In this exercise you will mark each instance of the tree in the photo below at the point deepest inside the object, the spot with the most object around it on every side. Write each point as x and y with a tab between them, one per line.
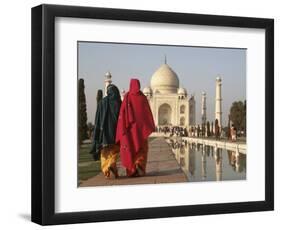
238	115
228	128
99	96
203	129
244	123
212	129
83	128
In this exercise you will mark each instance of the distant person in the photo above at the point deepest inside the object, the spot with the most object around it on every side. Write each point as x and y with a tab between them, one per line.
185	133
223	134
233	133
104	147
135	124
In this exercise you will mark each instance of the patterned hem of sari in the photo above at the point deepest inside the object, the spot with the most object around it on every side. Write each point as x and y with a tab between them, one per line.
109	156
140	161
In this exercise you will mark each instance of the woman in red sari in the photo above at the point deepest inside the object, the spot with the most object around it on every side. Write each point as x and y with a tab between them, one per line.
135	124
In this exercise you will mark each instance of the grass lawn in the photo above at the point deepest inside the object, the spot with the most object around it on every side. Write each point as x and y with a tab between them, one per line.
87	167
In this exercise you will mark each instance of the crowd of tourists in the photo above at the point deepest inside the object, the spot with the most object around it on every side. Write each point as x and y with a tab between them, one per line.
198	131
172	130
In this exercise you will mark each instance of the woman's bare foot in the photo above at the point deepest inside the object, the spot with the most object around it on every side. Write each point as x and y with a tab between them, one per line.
139	171
114	171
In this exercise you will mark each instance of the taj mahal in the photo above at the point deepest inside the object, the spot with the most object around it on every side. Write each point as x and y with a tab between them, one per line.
171	105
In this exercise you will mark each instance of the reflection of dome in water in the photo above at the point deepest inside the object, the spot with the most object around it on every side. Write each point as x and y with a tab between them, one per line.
165	80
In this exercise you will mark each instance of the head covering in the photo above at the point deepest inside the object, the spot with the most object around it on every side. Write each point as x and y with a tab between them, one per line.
135	123
106	120
99	96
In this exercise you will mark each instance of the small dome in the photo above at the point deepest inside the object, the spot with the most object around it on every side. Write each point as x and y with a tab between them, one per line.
155	91
191	98
182	91
147	90
165	80
108	75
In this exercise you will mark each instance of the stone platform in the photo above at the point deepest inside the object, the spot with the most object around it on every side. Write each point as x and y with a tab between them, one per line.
162	167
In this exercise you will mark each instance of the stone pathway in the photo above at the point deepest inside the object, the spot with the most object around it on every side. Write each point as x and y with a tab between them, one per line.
162	167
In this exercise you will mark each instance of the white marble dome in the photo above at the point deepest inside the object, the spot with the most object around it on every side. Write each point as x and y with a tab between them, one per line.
182	91
165	80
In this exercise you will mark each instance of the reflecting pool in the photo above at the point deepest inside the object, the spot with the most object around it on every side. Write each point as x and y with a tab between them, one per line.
206	163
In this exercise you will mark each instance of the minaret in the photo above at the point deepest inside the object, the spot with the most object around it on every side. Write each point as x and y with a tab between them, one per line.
218	114
122	94
107	82
192	115
203	108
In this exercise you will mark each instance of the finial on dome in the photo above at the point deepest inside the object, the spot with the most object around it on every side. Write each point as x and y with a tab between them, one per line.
165	60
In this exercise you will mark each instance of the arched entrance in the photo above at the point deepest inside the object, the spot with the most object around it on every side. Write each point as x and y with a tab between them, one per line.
182	121
164	114
182	109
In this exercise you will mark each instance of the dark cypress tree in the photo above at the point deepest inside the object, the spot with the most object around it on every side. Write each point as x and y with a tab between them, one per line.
203	129
99	96
212	129
83	128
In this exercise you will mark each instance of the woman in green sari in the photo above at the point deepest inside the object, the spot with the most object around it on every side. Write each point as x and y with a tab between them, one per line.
104	147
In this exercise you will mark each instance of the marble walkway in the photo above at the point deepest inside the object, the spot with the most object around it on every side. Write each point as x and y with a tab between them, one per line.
162	167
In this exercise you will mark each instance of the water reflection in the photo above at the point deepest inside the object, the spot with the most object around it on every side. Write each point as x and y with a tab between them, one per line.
218	162
206	163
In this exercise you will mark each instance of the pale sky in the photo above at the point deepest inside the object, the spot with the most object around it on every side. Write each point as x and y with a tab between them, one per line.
196	67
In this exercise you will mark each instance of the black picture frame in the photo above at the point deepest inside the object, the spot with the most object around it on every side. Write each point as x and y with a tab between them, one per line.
43	114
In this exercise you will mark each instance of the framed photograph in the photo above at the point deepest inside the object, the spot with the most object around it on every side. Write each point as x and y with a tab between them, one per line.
144	114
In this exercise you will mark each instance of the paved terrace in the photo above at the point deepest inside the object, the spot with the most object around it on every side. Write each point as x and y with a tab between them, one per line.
162	167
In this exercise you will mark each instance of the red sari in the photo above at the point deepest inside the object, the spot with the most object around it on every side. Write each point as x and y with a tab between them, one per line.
135	124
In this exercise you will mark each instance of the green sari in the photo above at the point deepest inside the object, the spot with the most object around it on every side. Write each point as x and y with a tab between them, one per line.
106	121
